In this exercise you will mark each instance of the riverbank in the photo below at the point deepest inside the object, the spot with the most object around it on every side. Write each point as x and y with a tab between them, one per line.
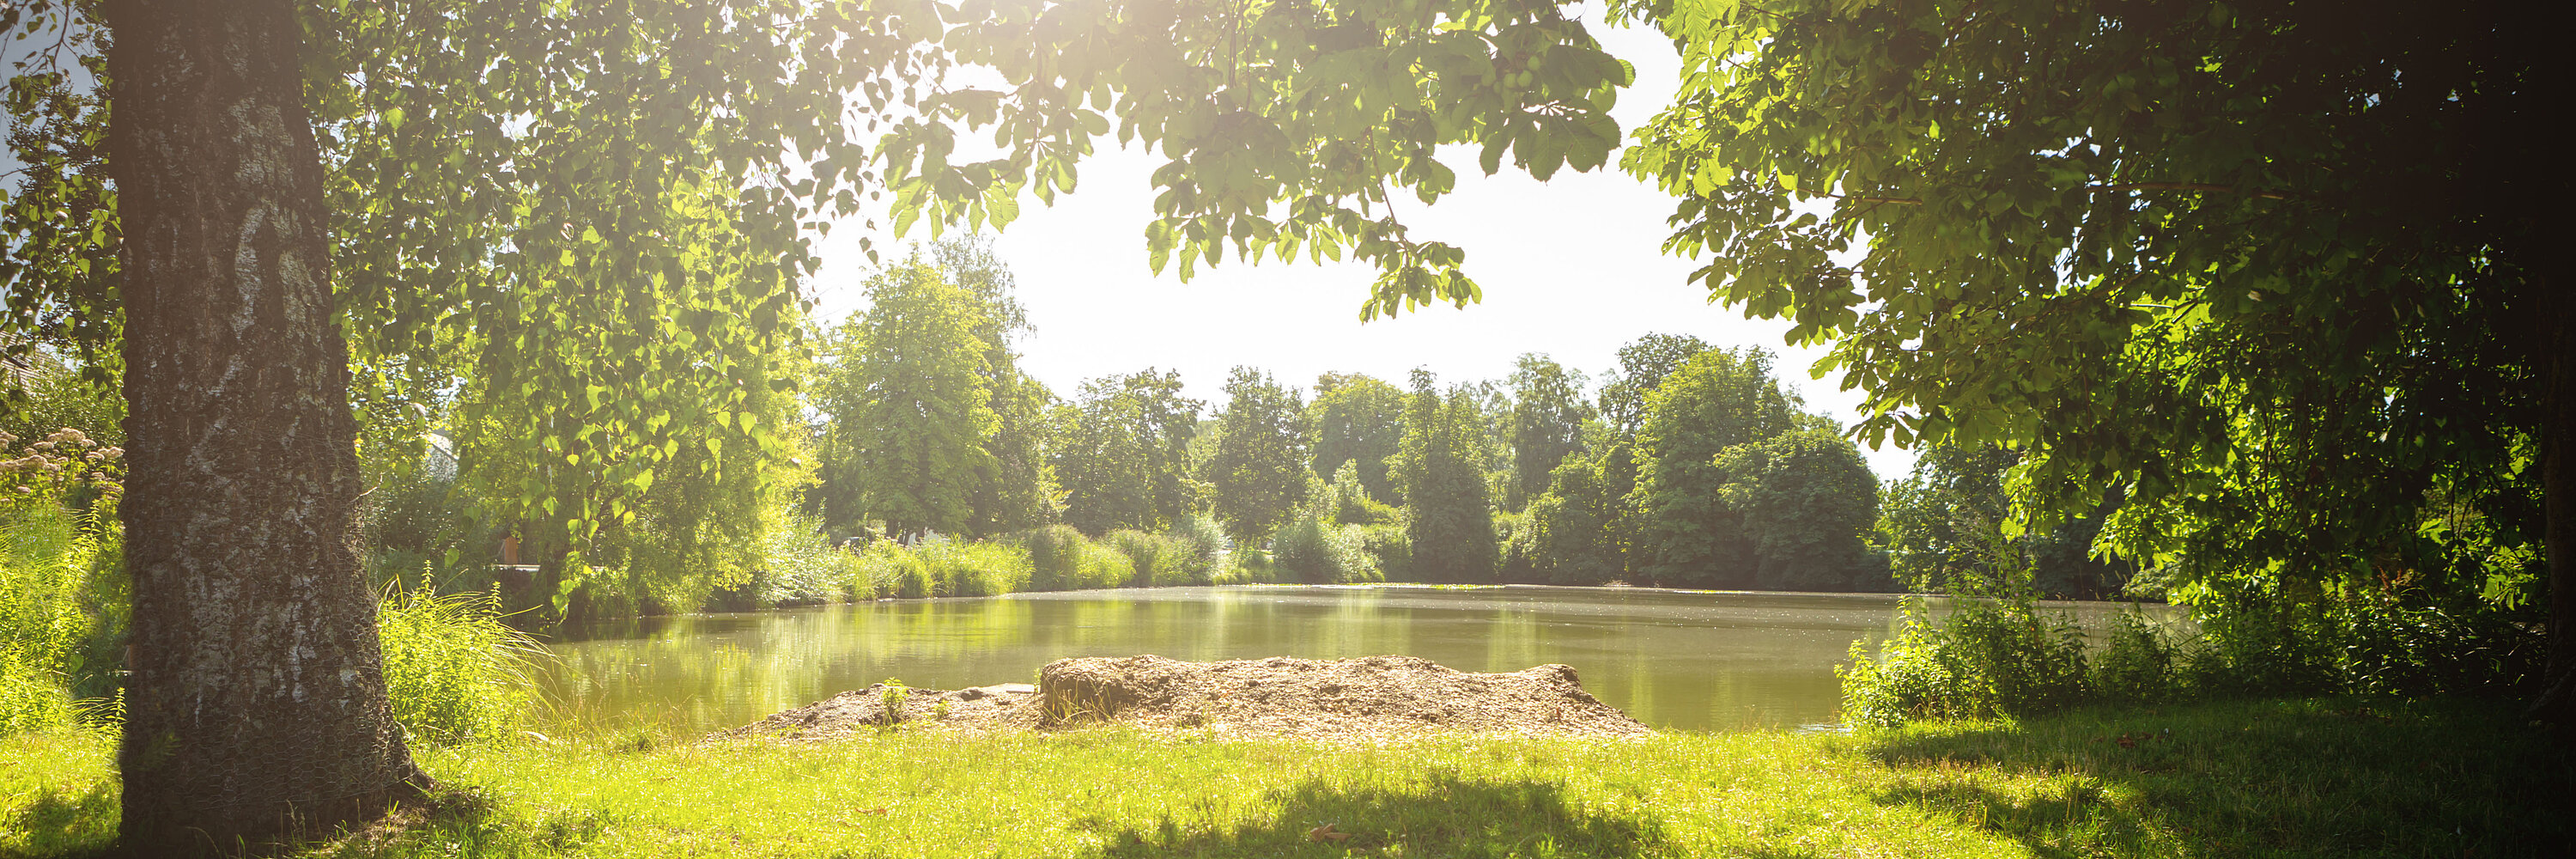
2325	777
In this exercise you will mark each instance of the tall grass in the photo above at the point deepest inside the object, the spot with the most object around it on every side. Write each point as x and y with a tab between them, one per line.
454	671
62	612
962	569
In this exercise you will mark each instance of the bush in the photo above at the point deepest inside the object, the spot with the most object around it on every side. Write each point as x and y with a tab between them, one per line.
1991	658
1161	560
1315	551
454	672
1055	557
1391	548
802	569
962	569
2135	664
1247	566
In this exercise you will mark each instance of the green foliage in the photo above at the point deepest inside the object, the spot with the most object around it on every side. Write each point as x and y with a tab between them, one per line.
1548	413
63	613
2238	263
910	401
453	670
1313	550
1350	500
1952	523
1804	500
2137	663
1062	559
1448	515
959	568
1161	560
895	571
1357	421
1581	531
59	399
802	569
1987	658
1123	454
1643	364
1205	544
1258	473
1391	546
1716	400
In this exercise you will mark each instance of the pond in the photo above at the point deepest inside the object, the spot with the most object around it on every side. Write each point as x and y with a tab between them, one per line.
1674	659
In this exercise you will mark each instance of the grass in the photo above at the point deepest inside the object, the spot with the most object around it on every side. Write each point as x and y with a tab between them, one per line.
2331	777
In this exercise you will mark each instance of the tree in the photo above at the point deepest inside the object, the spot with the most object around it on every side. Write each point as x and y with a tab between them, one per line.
1258	475
489	160
1718	399
1016	490
250	609
1804	501
913	401
1548	412
2242	263
1643	364
1952	526
1359	419
1124	456
1448	515
1577	533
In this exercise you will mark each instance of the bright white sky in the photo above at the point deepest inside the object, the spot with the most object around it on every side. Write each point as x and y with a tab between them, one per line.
1572	268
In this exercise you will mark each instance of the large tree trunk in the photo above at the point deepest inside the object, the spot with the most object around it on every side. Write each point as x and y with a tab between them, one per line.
256	707
2557	703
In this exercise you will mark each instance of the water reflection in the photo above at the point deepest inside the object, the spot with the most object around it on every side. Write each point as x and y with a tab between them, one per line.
1682	660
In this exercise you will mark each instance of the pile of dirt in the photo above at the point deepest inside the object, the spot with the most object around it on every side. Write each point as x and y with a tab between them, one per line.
1006	706
1375	696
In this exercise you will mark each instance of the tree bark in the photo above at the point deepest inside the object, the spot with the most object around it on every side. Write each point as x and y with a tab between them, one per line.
2557	702
256	709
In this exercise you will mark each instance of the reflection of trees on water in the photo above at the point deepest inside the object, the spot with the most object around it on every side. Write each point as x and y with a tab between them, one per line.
1689	660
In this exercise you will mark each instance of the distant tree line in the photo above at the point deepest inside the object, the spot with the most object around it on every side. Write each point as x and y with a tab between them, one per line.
1690	465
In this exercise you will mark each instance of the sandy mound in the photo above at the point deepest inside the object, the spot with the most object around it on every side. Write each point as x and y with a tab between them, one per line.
1009	705
1279	696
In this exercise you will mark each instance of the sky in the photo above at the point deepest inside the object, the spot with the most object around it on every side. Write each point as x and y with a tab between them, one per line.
1572	268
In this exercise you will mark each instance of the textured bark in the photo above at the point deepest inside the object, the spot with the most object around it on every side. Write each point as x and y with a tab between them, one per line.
256	707
2557	702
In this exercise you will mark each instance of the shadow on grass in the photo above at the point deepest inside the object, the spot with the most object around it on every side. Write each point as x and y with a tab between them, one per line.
62	823
1447	816
2275	777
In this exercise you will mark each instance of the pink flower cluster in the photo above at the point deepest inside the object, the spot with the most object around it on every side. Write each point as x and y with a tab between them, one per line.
63	459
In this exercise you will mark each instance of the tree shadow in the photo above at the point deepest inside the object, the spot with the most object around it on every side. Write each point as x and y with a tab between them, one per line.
61	824
1444	816
2290	777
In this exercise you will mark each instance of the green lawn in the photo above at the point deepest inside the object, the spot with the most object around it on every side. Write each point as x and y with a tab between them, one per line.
2325	777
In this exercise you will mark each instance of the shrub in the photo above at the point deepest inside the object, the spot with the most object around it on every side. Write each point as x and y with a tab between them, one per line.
1315	551
891	570
2135	664
1055	557
1247	566
1391	548
803	569
962	569
454	671
1991	658
1204	546
1161	560
1102	567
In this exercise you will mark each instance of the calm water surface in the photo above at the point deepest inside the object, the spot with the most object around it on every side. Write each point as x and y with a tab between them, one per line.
1680	660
